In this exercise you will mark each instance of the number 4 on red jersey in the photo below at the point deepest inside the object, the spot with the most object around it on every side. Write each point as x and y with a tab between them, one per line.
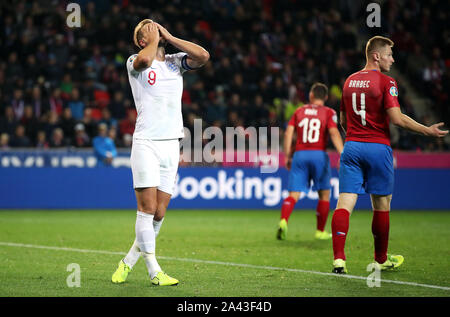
366	96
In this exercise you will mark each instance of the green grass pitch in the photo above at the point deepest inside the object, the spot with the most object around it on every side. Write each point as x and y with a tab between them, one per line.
218	253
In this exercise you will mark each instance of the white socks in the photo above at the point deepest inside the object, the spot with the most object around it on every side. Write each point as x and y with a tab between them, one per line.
133	255
157	226
152	265
147	230
145	234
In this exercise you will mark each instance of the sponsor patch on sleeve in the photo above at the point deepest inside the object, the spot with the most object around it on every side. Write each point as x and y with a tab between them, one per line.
335	118
393	91
131	59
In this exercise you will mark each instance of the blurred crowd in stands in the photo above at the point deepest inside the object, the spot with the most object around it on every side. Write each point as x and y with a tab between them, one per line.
57	84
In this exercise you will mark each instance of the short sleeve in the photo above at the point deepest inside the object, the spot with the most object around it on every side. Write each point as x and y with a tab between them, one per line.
130	67
390	94
179	59
332	119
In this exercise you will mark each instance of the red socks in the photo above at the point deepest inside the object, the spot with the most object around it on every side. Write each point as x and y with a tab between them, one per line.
287	207
339	227
322	210
380	231
323	207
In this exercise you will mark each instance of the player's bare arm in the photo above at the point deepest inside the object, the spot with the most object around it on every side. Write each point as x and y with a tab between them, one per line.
403	121
150	39
287	145
336	139
197	55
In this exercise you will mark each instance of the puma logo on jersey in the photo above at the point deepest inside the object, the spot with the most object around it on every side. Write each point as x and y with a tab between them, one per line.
311	112
359	84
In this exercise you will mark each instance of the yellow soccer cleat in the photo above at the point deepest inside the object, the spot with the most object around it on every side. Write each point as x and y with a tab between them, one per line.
282	230
392	262
339	267
121	274
162	279
322	235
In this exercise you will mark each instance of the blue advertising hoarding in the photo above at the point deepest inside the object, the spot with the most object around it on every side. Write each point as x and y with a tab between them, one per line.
66	181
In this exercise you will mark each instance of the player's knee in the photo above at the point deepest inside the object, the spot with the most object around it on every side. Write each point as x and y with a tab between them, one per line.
381	203
160	212
324	195
295	195
149	207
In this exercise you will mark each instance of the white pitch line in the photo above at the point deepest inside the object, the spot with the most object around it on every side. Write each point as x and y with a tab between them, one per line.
251	266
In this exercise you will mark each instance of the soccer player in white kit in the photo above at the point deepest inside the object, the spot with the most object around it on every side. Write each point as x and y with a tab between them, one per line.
157	84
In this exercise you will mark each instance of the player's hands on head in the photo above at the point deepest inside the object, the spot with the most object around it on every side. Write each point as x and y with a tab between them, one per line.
150	32
436	132
163	32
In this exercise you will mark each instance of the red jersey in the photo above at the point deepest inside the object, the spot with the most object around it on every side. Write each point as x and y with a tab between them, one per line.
366	96
312	123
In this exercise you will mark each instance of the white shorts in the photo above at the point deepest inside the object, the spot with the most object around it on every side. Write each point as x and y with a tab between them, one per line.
155	163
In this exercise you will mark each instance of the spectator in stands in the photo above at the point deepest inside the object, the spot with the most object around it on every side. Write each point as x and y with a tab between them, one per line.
33	69
432	73
90	125
37	102
57	139
4	141
41	140
56	103
107	119
13	68
60	50
76	105
116	106
68	124
50	122
8	122
20	139
30	122
81	139
104	147
66	86
112	134
18	103
216	111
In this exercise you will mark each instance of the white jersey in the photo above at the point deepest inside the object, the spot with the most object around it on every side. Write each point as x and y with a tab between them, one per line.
157	94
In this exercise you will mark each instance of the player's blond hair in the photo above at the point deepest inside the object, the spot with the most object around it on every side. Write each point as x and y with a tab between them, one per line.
137	35
377	42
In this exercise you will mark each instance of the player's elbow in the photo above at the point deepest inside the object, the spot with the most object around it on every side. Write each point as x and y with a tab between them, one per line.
396	117
397	121
143	62
204	57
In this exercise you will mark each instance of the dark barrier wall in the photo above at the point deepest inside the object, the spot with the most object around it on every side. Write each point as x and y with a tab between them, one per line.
211	188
